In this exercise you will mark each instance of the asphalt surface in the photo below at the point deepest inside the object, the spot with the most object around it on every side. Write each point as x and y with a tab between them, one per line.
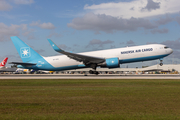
79	76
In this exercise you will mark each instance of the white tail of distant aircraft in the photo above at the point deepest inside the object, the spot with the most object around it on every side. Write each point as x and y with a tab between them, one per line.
111	58
3	63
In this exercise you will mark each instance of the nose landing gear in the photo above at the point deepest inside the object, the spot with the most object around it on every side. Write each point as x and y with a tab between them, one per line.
161	62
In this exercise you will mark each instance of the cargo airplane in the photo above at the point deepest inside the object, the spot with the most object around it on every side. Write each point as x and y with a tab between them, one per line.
110	58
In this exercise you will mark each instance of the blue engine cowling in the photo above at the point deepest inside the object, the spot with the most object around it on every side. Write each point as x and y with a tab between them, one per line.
112	62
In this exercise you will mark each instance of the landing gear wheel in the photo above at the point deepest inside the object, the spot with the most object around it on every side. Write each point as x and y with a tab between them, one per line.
161	62
93	72
96	72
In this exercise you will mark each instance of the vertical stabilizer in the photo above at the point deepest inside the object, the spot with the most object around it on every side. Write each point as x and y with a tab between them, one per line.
26	53
3	63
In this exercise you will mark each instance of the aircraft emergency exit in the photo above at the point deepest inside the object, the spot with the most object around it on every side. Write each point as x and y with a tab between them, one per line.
110	58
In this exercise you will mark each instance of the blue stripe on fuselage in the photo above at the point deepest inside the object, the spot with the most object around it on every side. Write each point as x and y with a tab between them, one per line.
56	68
142	59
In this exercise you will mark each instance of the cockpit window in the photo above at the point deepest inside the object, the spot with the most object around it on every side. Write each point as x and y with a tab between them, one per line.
166	47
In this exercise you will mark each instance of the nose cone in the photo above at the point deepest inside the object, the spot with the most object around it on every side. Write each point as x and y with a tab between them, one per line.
170	51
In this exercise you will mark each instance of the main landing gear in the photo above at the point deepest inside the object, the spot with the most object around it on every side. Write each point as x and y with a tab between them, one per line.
93	66
161	62
93	72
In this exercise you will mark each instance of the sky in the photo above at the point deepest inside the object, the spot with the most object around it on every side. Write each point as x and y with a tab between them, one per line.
89	25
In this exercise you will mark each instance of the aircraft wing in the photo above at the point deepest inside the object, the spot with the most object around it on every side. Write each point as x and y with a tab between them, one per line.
79	57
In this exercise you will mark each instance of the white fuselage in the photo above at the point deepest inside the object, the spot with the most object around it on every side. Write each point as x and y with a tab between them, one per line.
125	55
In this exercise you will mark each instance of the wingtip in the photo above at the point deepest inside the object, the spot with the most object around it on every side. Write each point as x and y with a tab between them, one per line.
13	36
49	39
54	46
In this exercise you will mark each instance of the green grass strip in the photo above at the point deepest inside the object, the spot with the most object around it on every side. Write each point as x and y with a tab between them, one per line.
90	99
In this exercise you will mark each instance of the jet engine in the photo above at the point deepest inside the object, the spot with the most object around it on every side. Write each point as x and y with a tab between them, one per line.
111	63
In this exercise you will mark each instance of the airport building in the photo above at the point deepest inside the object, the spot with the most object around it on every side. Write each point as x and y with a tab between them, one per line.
155	69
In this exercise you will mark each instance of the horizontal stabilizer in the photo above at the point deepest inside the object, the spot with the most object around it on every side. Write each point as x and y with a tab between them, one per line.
22	63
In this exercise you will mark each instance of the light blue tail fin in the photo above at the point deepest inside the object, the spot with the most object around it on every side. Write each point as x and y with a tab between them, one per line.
26	53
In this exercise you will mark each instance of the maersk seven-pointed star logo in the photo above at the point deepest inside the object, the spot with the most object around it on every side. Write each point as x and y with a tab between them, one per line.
25	52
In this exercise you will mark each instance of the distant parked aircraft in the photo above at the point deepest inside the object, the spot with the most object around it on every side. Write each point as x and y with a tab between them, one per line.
110	58
3	63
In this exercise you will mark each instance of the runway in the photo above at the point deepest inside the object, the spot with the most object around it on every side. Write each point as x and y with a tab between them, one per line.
79	76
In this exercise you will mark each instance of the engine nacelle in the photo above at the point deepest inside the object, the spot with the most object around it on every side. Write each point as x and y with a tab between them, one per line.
111	63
